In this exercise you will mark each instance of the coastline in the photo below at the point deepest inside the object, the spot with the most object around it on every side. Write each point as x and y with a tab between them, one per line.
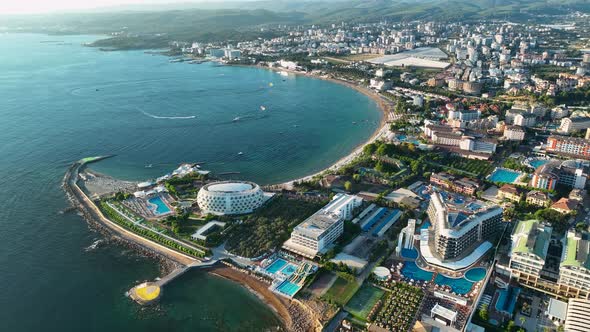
258	289
383	105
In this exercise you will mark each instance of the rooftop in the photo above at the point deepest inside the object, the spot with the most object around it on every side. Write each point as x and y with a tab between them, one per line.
530	237
230	186
577	250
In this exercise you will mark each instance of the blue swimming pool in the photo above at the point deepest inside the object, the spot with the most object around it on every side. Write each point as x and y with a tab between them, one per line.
538	163
410	253
460	286
276	266
476	274
412	271
504	176
158	207
289	270
288	288
507	299
409	139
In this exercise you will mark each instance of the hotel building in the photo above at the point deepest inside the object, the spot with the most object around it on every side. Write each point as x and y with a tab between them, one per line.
565	276
571	146
571	173
452	183
314	235
530	243
458	236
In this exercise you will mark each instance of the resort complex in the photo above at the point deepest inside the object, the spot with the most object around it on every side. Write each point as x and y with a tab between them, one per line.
466	210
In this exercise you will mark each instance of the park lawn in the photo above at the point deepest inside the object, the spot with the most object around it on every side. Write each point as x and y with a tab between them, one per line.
363	301
341	291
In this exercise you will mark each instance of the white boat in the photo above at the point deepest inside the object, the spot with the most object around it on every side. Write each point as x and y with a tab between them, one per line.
240	153
262	108
284	73
237	118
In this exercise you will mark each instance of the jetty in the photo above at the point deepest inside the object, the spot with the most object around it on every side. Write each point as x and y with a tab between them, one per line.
150	292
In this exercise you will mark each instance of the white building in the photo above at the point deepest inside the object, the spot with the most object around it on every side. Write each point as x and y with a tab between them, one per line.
573	124
314	235
525	120
230	197
576	319
514	133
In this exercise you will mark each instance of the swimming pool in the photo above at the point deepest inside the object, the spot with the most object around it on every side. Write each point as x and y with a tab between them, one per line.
410	253
504	176
507	299
289	270
160	207
408	139
412	271
288	288
460	286
476	274
538	163
276	266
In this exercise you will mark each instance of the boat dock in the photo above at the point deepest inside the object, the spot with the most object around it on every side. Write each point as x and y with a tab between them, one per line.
150	292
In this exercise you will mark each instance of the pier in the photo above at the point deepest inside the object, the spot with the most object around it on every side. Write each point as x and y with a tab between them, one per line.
148	293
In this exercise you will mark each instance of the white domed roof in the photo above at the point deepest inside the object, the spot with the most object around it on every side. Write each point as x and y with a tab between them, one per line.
230	187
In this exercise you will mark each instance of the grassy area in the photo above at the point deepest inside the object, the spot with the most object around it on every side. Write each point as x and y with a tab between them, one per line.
363	301
341	291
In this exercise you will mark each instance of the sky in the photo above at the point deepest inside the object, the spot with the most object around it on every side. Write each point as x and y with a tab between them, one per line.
48	6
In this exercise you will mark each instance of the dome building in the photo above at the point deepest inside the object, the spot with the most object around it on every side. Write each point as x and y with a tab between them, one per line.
230	197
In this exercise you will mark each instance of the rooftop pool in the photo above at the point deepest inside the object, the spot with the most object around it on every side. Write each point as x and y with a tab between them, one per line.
476	274
158	206
504	176
507	299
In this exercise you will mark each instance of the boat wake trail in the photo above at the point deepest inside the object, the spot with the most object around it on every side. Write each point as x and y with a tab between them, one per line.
168	117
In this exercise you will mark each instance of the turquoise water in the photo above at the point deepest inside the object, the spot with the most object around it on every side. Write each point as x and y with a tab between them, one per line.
276	266
412	271
288	288
161	207
538	163
289	270
410	253
459	286
507	299
59	103
476	274
504	176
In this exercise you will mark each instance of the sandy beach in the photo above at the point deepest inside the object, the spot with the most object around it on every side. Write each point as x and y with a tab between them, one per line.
258	288
384	105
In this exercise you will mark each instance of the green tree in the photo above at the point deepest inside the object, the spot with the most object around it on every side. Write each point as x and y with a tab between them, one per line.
347	185
483	313
510	326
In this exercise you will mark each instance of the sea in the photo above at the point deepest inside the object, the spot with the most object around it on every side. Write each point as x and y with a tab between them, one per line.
61	101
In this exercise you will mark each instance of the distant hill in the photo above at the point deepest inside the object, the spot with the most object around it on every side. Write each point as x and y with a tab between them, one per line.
239	20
